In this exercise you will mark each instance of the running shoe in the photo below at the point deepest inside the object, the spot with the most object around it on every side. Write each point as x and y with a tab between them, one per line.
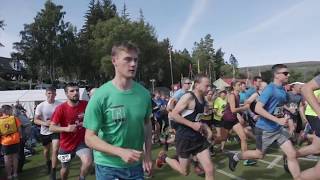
161	160
232	163
249	162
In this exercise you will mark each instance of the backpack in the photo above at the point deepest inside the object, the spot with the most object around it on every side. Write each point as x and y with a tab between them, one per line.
8	125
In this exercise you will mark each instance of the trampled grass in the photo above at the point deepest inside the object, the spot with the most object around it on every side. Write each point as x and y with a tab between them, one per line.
265	169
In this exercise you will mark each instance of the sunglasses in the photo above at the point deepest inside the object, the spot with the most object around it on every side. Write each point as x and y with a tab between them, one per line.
284	73
188	83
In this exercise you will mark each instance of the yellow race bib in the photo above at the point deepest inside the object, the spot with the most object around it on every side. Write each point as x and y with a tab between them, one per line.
8	125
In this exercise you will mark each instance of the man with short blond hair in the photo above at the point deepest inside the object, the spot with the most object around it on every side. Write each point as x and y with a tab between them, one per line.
117	121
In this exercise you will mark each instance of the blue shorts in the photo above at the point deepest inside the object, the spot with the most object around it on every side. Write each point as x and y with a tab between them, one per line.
112	173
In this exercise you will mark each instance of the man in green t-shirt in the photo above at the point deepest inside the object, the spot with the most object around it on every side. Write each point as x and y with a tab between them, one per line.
117	121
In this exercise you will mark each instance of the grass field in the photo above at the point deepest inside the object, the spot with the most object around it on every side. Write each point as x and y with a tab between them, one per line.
271	167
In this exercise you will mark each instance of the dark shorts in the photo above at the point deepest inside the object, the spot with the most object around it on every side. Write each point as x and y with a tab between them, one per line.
173	124
81	149
229	124
297	119
314	122
217	123
10	149
47	139
187	147
55	136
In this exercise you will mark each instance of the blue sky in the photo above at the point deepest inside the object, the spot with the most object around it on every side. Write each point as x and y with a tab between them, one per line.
257	32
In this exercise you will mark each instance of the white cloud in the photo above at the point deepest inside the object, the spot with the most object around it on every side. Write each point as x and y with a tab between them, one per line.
198	8
288	36
7	40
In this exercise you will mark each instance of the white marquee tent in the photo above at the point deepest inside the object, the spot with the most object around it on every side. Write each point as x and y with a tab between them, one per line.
30	98
221	84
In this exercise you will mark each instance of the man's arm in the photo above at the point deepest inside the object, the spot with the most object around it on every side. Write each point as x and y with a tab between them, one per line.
307	92
232	103
252	98
147	136
39	121
302	111
147	165
94	142
261	111
171	104
38	117
58	129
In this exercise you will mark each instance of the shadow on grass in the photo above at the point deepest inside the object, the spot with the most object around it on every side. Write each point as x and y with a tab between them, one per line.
264	174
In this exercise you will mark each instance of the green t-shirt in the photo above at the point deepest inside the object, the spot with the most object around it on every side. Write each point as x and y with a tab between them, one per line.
118	118
219	105
309	111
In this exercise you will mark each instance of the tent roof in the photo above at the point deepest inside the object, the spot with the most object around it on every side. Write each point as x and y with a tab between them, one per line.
220	84
10	97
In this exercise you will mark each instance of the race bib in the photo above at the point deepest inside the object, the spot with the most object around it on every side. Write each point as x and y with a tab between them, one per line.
278	112
8	125
64	158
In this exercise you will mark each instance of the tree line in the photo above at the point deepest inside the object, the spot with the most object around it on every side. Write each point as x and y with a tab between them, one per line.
53	48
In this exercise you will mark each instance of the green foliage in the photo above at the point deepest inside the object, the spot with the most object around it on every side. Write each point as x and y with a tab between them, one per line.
296	76
233	61
52	48
106	33
267	76
89	65
44	41
2	24
219	63
204	53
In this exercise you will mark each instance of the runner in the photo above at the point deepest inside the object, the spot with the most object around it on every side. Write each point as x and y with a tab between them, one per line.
256	84
49	140
311	92
219	107
189	138
170	136
294	108
269	127
10	130
67	120
231	115
117	121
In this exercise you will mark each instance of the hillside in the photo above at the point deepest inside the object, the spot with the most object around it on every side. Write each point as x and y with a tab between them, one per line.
302	67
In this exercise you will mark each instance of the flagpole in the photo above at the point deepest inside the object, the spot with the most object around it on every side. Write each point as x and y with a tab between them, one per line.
198	66
170	59
233	72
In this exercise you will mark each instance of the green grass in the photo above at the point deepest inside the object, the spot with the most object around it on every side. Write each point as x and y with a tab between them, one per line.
35	168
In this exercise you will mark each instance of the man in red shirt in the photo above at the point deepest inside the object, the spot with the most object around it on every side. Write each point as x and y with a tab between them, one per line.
67	120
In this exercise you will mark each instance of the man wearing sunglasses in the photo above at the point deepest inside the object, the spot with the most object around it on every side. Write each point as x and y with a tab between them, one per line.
270	125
